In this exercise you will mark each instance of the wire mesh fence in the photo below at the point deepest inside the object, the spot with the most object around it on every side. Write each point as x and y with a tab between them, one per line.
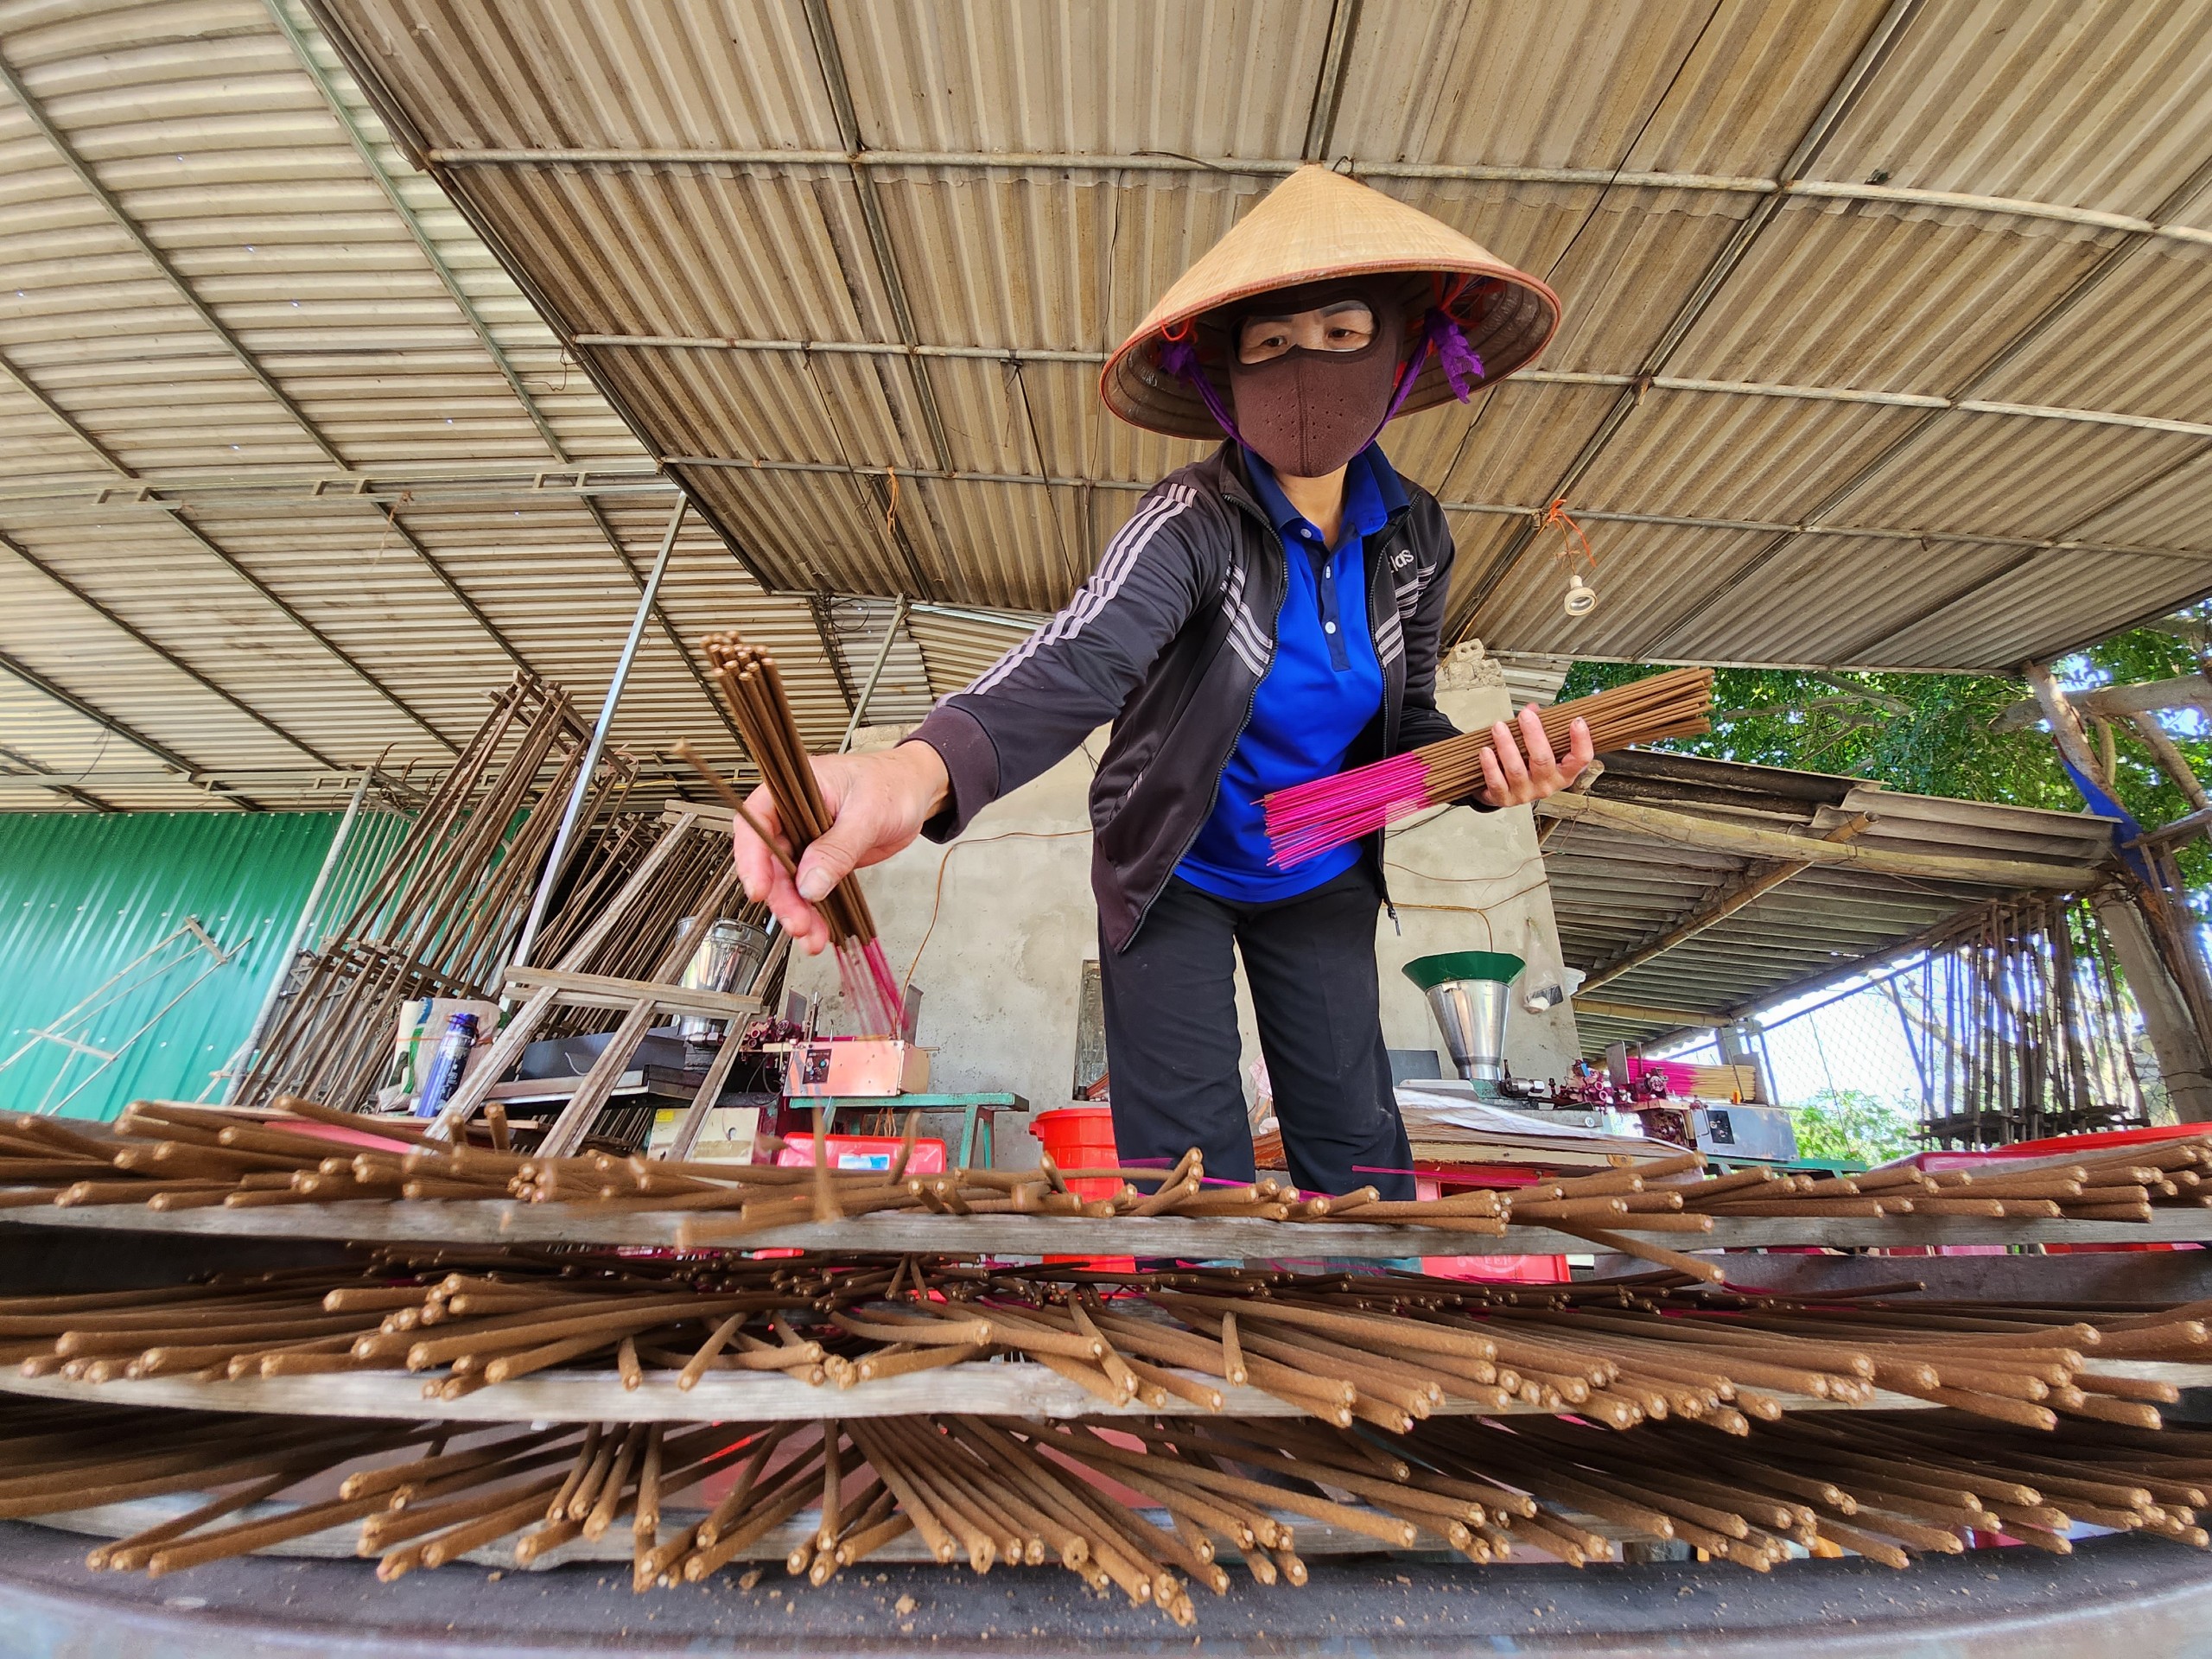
2021	1025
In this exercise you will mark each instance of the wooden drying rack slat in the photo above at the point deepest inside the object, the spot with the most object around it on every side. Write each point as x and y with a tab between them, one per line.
511	1221
992	1390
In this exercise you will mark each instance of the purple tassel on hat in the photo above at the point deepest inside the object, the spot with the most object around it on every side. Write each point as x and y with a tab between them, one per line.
1181	358
1439	333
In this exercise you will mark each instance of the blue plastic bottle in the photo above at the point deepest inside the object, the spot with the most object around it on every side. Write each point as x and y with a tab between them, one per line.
446	1065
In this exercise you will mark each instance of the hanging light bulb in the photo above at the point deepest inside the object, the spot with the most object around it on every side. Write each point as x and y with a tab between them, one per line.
1581	597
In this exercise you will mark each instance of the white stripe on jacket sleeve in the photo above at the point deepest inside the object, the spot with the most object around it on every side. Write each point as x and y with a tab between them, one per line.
1122	555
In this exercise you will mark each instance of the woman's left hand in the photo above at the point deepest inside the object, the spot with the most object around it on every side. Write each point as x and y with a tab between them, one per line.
1509	779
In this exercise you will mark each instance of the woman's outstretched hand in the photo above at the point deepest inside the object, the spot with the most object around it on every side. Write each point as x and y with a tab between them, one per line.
879	801
1510	779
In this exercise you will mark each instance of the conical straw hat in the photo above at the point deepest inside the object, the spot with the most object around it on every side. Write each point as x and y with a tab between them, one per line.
1317	225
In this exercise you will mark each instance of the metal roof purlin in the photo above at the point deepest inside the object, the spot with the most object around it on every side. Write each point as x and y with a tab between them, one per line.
59	143
1874	52
43	772
2057	212
366	148
198	775
2073	297
107	614
824	34
1018	355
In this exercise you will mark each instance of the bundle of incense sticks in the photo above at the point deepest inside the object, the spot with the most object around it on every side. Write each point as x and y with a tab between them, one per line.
1307	820
1389	1350
168	1156
1148	1505
754	690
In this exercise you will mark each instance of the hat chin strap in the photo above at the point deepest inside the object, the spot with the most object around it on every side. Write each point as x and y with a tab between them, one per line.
1178	356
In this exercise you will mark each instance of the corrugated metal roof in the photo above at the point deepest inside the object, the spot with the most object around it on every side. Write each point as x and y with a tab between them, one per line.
849	268
1616	892
230	286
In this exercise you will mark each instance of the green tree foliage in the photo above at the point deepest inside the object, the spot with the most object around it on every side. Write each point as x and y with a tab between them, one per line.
1931	733
1854	1126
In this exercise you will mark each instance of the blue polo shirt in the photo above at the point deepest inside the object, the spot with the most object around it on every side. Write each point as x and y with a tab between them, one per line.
1320	692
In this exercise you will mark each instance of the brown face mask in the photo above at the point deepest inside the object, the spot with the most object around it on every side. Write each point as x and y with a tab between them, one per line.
1308	412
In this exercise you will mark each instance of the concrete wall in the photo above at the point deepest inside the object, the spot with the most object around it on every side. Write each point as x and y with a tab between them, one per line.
1009	922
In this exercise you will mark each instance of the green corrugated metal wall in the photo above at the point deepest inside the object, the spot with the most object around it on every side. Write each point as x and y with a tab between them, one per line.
82	895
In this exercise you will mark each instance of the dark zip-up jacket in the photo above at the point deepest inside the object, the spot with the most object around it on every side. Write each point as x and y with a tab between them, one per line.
1169	639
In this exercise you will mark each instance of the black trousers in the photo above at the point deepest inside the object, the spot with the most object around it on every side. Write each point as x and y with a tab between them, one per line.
1171	1044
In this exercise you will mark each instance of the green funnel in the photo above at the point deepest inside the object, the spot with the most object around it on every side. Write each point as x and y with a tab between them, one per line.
1467	994
1428	972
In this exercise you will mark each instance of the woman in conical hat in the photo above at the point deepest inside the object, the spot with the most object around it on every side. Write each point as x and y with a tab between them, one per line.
1269	615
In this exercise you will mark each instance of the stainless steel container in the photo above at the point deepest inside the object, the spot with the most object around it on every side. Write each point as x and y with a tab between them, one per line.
728	957
1467	993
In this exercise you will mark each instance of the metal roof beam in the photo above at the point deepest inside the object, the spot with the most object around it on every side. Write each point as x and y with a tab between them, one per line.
824	31
1023	354
149	643
236	495
2010	351
825	629
1329	85
2190	556
46	778
386	484
1782	188
1874	52
198	776
364	147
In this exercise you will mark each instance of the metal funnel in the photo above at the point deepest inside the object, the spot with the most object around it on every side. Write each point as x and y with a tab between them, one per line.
1467	994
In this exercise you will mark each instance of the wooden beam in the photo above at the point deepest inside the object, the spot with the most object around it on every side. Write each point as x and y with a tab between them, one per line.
2180	829
1754	885
572	990
1605	1008
1659	824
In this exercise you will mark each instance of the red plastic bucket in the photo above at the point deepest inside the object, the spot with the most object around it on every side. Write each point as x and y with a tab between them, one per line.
1081	1137
1511	1269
